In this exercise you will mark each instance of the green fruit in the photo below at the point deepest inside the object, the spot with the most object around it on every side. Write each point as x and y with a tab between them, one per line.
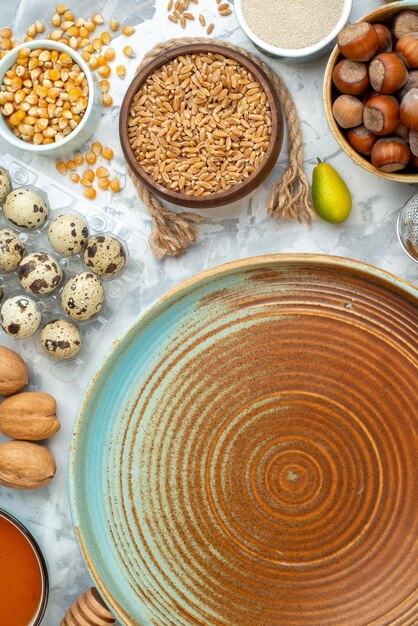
330	194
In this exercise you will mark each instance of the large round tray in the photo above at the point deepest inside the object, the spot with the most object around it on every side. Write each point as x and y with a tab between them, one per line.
247	452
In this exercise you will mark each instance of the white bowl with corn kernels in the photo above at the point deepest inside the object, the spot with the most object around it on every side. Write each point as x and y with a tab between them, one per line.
88	122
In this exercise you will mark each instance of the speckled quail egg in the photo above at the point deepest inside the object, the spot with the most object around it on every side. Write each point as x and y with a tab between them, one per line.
12	250
104	255
40	272
82	297
25	208
20	317
68	234
5	184
61	339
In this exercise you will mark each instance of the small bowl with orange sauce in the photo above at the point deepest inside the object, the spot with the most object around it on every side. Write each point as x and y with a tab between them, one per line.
24	583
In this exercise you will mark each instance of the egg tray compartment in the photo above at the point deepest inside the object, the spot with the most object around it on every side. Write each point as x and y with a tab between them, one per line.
117	289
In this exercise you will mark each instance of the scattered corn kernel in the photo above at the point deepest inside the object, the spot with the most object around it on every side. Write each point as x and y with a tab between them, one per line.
68	16
104	86
6	44
128	52
107	153
121	71
56	20
79	158
61	167
104	71
115	185
93	62
113	24
109	54
96	147
101	60
86	182
107	100
75	178
97	44
128	30
90	193
31	31
102	172
89	175
71	165
91	158
103	183
96	18
61	9
106	38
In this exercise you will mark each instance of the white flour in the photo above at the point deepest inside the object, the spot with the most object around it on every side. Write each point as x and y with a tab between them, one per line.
292	24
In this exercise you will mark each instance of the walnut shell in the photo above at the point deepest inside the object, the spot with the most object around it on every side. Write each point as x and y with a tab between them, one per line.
14	374
29	415
25	465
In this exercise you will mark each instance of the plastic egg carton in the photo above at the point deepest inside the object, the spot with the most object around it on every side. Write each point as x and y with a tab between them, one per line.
61	200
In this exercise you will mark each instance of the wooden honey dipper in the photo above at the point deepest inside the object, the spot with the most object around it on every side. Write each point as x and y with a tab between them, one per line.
88	610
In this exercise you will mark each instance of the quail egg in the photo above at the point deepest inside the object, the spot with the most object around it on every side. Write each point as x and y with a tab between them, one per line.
19	317
39	273
68	234
104	255
61	339
12	250
5	184
82	297
25	208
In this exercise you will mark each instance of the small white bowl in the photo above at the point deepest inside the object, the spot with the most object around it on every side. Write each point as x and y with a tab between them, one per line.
301	55
88	122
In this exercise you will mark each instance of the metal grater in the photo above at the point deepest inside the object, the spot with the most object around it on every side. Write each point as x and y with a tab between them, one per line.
408	227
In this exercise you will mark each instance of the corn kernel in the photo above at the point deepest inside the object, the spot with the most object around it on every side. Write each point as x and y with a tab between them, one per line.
5	44
86	182
107	153
103	183
102	172
89	26
31	31
115	185
55	34
96	148
56	20
79	158
39	26
74	43
85	56
75	178
93	62
54	74
121	71
65	59
61	9
97	44
90	193
6	33
101	60
16	118
128	30
107	100
71	165
79	22
113	24
23	53
47	140
109	54
89	175
96	18
128	52
65	25
104	71
91	158
83	31
68	16
89	48
27	39
106	38
73	31
64	40
83	42
104	86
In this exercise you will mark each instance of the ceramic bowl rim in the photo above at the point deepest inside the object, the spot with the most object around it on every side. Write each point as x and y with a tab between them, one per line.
337	262
292	53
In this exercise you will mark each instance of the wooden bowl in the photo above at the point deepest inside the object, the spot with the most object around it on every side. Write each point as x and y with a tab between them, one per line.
382	14
241	189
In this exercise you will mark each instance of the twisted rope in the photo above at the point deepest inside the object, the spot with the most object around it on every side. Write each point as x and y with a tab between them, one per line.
174	232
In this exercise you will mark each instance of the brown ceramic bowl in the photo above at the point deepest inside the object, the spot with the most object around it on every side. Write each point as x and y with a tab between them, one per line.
241	189
384	14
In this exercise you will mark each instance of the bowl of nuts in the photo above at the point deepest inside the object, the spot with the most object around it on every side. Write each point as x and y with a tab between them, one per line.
201	125
371	91
47	98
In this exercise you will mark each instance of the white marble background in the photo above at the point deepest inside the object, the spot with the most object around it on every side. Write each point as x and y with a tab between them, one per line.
239	231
